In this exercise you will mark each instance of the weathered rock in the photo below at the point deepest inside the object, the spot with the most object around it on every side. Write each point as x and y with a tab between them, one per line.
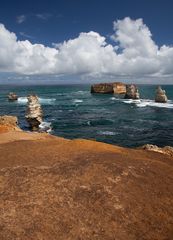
131	92
105	88
54	188
34	112
12	96
160	96
119	88
8	123
165	150
102	88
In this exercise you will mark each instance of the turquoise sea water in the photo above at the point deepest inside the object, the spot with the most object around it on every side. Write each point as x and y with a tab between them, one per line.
75	113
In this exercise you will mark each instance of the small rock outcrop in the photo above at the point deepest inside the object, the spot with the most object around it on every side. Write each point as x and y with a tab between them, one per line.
109	88
160	96
8	123
154	148
34	112
12	96
131	92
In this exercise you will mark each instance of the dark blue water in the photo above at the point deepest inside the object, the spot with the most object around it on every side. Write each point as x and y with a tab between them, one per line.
75	113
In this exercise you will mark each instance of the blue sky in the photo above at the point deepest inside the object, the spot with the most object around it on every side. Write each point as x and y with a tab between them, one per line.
64	19
48	22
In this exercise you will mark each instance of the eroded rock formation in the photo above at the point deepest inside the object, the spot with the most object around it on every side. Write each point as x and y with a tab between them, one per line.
8	123
34	112
12	96
154	148
131	92
105	88
160	96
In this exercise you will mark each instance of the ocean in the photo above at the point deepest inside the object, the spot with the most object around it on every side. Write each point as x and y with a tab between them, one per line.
74	112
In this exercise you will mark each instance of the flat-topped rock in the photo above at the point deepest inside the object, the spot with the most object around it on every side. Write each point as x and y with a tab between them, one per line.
160	96
131	92
34	112
109	88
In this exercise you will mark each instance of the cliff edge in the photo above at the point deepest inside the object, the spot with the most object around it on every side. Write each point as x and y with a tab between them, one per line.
55	188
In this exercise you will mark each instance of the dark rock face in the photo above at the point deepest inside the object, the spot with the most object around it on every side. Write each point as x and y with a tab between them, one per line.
132	92
109	88
12	96
34	112
160	96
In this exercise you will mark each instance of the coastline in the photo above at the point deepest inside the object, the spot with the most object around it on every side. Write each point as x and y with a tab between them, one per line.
52	186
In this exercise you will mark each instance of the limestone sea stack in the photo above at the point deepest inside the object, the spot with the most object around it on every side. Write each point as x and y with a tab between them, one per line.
34	112
12	96
109	88
160	96
131	92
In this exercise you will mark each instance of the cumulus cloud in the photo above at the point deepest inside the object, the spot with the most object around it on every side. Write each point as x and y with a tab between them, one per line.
133	53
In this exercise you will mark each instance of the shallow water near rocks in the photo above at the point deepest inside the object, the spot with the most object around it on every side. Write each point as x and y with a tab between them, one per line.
76	113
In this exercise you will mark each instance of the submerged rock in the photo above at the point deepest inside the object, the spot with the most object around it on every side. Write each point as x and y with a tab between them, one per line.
34	112
160	96
131	92
12	96
109	88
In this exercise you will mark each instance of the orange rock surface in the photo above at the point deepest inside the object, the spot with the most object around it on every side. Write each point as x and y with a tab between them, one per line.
54	188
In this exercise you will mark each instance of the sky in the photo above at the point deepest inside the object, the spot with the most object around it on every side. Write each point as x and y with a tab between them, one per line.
86	40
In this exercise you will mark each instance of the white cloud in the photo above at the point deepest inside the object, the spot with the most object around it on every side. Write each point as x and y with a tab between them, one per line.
134	54
20	19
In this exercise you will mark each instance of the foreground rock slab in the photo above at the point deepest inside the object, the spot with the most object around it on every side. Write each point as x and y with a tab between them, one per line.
54	188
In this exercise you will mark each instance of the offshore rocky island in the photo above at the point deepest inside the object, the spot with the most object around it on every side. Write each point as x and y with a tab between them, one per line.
130	91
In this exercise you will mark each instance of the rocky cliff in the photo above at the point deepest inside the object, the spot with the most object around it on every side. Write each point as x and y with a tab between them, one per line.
116	87
54	188
34	112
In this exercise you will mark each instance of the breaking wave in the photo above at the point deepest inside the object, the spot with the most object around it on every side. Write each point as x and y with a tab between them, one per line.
45	127
44	101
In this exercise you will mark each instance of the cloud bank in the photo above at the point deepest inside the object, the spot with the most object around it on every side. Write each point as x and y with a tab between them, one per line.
133	53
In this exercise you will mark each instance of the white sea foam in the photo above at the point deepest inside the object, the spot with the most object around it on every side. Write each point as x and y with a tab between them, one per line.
77	101
148	103
108	133
45	126
24	100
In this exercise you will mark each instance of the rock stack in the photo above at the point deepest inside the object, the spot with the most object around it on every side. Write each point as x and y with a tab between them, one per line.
131	92
160	96
34	112
12	96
